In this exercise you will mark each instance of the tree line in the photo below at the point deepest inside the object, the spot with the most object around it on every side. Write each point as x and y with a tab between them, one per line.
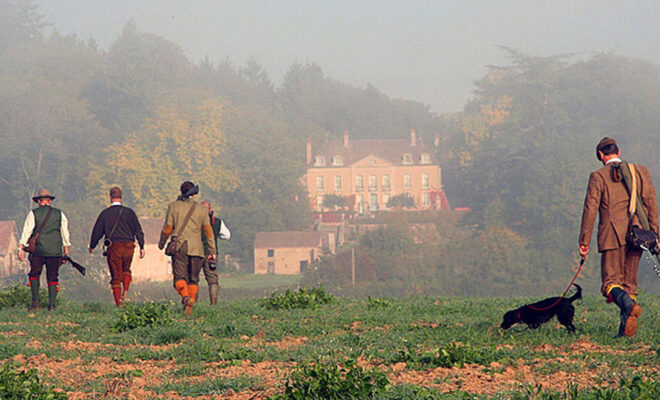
78	119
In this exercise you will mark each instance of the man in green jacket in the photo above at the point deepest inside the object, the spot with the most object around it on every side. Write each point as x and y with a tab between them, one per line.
188	259
221	231
52	228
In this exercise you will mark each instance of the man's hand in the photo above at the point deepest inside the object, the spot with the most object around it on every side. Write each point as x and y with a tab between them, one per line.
142	253
91	251
583	250
162	241
66	251
21	254
211	257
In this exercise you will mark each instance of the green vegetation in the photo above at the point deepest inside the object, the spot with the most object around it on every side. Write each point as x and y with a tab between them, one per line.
332	382
133	315
299	298
242	346
24	385
19	295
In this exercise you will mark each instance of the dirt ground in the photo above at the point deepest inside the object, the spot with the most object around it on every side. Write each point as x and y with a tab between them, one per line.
556	369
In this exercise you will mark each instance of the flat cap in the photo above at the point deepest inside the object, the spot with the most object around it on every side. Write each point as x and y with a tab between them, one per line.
604	142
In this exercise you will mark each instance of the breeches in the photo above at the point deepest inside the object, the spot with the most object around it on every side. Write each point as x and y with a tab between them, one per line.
619	268
52	267
210	275
186	268
120	257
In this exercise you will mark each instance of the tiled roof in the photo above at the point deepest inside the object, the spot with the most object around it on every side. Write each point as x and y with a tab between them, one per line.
151	228
391	150
287	239
7	230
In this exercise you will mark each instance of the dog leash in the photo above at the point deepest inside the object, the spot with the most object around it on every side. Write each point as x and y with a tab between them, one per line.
565	291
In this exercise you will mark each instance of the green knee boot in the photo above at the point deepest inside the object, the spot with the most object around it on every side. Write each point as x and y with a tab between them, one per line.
52	297
36	301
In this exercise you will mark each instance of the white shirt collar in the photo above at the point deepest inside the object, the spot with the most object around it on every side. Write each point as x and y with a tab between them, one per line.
611	160
116	203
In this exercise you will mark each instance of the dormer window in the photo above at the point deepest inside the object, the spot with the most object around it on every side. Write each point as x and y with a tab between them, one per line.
372	162
319	161
407	159
337	161
425	158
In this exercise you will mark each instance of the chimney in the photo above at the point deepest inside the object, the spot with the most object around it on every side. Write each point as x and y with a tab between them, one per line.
413	137
309	150
436	140
346	138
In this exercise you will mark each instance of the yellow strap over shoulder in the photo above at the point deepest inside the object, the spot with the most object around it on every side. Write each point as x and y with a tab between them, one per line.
633	191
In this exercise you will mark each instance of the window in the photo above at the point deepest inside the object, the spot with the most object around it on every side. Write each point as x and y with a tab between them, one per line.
338	160
271	252
373	201
320	184
372	183
271	267
338	183
386	182
386	199
425	181
426	199
407	159
426	158
372	161
319	201
407	181
360	203
359	183
320	161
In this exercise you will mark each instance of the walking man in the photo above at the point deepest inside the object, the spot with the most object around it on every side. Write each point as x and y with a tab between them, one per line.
607	196
120	227
50	227
221	231
187	221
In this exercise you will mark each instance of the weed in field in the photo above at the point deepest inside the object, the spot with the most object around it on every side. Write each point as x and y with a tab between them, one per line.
15	384
19	295
211	387
332	382
301	298
132	315
376	303
170	334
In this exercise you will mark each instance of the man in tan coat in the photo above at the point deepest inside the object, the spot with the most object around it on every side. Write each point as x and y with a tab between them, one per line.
607	196
188	259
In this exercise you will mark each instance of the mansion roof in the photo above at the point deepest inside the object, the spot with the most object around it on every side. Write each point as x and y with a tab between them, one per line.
390	150
151	228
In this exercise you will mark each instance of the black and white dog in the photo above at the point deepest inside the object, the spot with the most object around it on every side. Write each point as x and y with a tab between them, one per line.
536	314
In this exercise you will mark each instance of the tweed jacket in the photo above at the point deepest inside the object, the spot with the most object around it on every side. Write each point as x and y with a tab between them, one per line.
610	200
198	224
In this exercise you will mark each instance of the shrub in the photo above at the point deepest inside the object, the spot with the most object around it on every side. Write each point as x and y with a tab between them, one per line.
332	382
15	384
301	298
131	316
449	356
19	295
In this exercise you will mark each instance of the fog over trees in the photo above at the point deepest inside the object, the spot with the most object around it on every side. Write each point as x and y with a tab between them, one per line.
77	119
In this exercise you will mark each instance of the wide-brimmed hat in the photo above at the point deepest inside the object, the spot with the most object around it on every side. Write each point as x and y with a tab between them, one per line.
43	194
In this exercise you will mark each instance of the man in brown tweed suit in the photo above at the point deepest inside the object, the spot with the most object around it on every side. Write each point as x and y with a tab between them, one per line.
189	256
608	197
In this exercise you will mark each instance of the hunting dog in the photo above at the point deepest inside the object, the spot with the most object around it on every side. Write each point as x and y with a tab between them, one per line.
536	314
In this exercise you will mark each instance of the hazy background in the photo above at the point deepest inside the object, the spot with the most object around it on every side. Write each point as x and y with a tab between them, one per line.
427	51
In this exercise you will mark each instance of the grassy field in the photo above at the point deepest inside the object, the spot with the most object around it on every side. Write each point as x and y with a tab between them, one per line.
425	348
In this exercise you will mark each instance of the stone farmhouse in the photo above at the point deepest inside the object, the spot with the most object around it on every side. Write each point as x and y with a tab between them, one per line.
155	266
9	263
287	253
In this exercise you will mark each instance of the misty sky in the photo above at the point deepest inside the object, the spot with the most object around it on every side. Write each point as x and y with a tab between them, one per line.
428	51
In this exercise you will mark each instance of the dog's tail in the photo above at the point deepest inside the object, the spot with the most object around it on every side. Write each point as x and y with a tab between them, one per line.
577	295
